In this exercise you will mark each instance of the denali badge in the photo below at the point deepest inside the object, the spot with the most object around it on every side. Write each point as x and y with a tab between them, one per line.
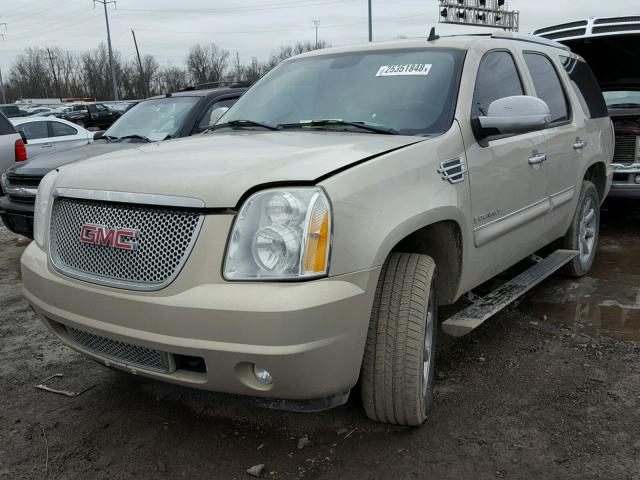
121	238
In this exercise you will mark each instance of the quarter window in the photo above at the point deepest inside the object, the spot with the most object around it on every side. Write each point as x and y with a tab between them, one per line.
497	78
548	86
33	130
586	87
59	129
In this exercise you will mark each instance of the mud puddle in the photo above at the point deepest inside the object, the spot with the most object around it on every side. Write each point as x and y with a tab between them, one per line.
606	301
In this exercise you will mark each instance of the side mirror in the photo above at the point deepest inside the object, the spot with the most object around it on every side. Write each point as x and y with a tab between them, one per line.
24	137
516	114
217	115
98	135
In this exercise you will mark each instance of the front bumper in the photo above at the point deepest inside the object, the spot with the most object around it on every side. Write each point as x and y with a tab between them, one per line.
310	336
17	217
624	181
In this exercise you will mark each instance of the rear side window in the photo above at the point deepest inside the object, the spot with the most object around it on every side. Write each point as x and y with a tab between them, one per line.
548	86
6	128
59	129
586	87
497	78
34	130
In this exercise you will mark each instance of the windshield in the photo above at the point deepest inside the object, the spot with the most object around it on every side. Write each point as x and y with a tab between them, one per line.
155	119
412	92
622	98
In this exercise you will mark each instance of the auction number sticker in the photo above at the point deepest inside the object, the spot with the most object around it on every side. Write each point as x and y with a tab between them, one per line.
411	69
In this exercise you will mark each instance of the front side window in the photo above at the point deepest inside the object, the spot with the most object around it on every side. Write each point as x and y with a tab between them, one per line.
497	78
154	119
204	122
548	86
33	130
411	92
59	129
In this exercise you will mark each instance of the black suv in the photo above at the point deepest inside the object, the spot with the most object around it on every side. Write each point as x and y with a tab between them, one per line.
155	119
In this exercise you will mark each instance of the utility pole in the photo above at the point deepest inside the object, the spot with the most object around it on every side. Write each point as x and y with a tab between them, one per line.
51	57
4	96
142	75
370	24
238	73
114	82
317	24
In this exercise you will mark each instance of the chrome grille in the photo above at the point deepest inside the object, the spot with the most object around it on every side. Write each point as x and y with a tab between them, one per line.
626	148
123	352
164	240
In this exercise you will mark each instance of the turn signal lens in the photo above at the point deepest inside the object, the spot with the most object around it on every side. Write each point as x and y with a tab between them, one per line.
316	255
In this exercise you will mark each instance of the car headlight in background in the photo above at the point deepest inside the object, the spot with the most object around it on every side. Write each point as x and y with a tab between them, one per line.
41	212
281	234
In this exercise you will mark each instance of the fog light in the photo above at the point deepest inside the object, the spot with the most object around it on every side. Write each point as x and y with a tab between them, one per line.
262	374
637	179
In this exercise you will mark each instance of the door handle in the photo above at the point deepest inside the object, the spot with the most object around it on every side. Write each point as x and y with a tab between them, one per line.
537	159
580	144
46	145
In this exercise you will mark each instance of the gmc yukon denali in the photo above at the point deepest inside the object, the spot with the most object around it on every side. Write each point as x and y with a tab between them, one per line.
324	219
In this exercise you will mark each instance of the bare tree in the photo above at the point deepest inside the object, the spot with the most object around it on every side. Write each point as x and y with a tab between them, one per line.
171	79
207	64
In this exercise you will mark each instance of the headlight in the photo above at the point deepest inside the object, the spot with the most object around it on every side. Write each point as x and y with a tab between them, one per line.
280	234
41	212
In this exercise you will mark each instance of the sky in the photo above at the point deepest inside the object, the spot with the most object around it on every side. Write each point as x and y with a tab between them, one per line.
167	28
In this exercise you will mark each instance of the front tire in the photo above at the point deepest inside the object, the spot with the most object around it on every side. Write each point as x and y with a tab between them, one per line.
399	358
584	231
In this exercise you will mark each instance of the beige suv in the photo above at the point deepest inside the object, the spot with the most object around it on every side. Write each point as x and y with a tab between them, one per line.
305	243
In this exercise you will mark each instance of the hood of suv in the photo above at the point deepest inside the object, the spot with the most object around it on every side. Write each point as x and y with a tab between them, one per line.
219	168
43	164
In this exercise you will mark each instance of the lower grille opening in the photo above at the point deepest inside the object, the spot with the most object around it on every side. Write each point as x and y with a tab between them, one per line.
620	177
126	353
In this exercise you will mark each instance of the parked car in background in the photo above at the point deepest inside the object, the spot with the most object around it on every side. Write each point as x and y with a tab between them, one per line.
12	147
611	46
306	243
33	111
48	135
159	118
91	116
12	111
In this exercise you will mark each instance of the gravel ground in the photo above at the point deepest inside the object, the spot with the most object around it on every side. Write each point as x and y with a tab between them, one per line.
528	395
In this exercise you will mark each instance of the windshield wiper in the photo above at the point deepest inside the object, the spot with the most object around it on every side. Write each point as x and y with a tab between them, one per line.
137	137
242	123
338	122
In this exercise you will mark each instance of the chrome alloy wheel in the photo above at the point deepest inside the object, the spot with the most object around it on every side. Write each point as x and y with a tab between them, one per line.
427	363
587	232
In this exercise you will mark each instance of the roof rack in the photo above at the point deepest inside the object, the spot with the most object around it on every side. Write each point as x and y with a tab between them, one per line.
222	83
525	37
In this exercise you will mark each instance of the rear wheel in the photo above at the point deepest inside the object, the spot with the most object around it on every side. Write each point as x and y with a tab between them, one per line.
398	364
584	230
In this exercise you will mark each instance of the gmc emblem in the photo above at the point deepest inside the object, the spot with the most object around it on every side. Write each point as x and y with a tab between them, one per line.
120	238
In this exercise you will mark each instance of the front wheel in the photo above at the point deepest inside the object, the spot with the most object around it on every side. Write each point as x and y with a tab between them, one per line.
584	230
398	363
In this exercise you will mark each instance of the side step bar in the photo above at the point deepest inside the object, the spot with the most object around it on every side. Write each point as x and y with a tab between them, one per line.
482	309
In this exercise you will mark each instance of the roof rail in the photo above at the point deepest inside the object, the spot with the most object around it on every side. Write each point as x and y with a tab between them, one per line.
525	37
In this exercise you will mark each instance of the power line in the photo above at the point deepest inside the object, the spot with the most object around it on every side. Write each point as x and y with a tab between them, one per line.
45	29
114	80
275	6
